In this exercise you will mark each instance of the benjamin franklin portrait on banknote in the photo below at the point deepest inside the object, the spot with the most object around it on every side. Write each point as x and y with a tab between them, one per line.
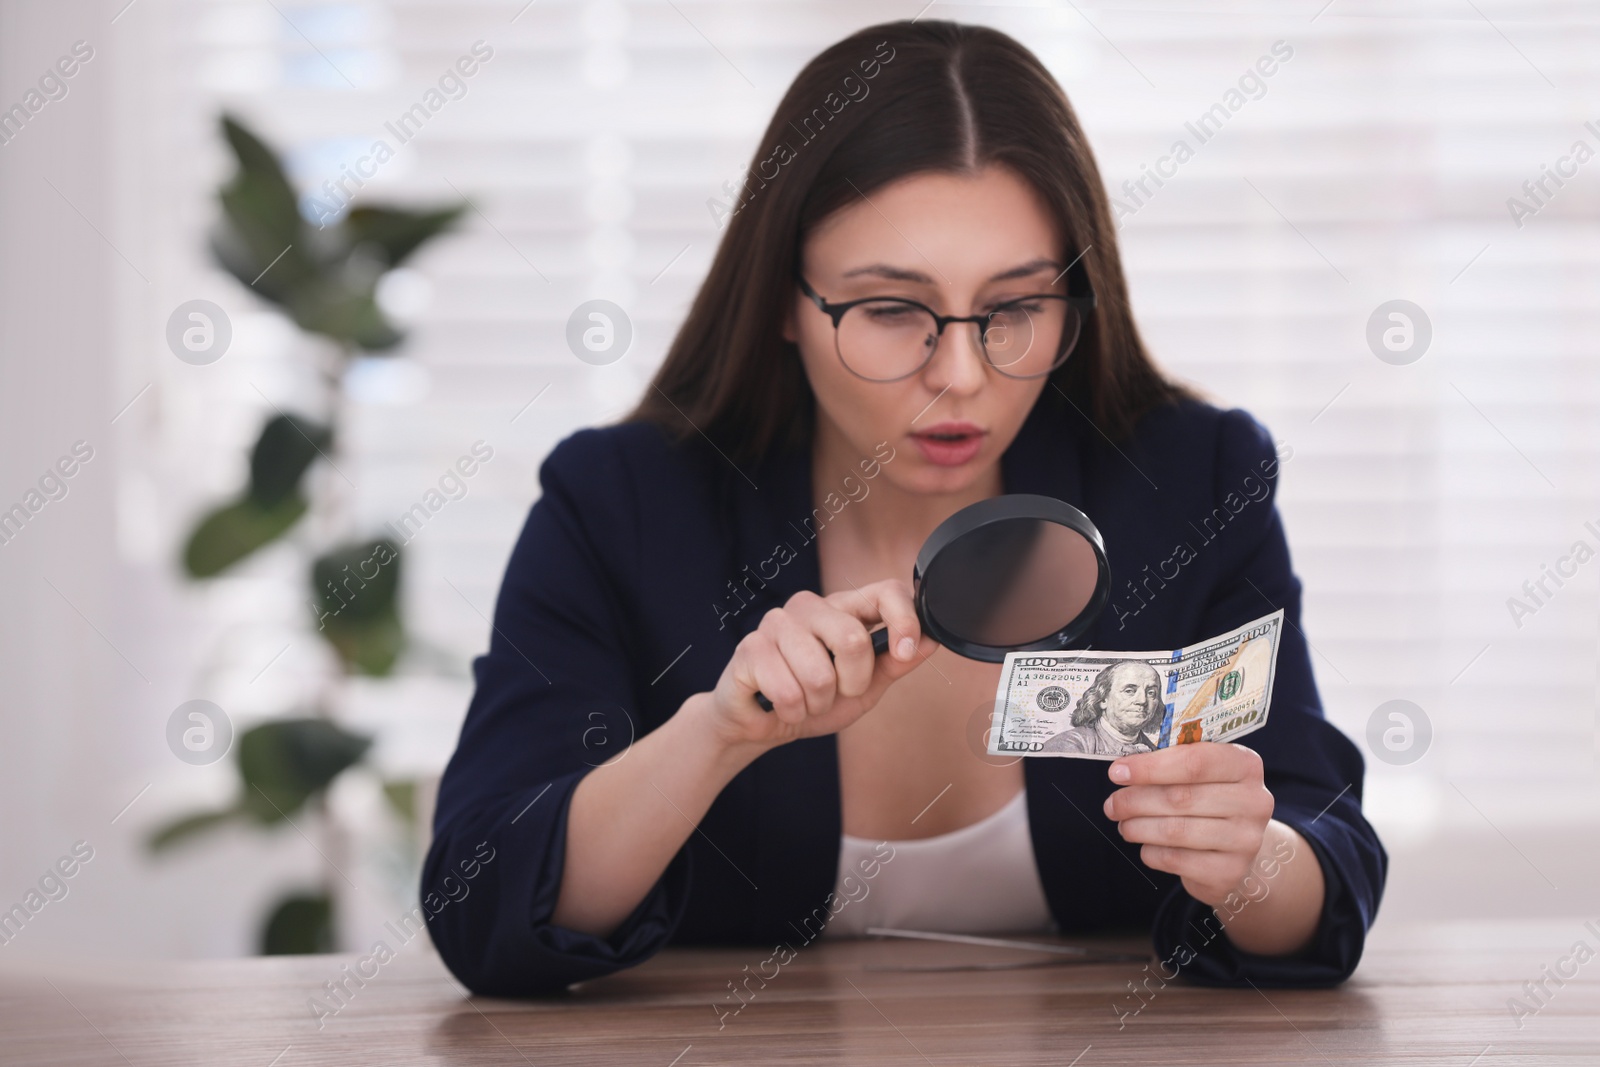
1116	715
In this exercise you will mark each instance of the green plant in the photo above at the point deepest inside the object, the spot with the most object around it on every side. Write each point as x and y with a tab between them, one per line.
325	279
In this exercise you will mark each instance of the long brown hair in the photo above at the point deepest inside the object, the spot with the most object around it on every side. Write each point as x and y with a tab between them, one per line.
887	102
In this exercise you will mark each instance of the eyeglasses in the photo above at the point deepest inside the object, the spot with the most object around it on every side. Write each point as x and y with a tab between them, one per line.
884	339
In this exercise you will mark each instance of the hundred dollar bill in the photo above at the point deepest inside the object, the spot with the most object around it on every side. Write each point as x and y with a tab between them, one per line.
1101	705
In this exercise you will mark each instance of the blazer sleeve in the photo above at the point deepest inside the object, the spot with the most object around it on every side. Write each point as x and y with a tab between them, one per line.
1313	771
554	697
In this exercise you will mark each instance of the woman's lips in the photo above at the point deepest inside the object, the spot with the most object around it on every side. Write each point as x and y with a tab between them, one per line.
949	444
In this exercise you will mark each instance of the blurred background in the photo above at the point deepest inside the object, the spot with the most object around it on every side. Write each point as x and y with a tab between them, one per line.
1442	499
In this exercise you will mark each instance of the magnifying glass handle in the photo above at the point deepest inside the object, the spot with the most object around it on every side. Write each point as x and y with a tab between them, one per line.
880	645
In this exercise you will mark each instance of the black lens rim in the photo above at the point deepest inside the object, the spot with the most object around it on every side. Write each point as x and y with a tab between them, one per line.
1075	304
1003	509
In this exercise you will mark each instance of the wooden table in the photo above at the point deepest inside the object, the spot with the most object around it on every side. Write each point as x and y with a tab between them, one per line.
1423	995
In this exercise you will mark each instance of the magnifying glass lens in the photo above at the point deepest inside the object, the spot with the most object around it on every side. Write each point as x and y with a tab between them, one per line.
1011	572
1012	582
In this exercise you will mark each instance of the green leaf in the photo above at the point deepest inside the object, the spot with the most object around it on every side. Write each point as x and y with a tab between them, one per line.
259	162
358	581
348	317
273	205
357	590
286	447
179	829
369	648
398	232
301	924
262	239
287	762
402	796
233	531
324	277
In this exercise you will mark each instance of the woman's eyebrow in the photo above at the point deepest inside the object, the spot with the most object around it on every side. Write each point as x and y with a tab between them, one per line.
893	274
1031	267
903	274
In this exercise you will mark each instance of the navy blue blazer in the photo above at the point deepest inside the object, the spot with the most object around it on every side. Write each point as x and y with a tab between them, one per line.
643	564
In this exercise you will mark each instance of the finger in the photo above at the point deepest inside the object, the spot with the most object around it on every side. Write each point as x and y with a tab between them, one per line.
1217	799
1203	761
1179	831
888	602
845	636
891	670
762	669
807	658
1204	867
853	659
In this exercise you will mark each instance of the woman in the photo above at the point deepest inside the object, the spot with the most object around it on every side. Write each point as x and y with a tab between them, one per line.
918	304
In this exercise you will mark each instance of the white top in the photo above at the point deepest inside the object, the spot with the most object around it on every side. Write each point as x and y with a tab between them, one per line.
979	879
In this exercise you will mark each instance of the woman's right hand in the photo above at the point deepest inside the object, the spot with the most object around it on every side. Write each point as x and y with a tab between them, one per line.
786	659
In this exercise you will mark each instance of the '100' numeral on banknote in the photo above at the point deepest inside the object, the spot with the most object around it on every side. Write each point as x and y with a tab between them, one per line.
1101	705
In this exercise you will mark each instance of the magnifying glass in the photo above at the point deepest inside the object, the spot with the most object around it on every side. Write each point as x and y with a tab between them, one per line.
1014	573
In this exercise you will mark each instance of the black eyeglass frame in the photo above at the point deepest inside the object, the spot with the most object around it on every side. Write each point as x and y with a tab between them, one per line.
1077	279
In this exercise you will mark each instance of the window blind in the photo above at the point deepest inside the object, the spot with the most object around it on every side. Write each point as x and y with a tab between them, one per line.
1377	161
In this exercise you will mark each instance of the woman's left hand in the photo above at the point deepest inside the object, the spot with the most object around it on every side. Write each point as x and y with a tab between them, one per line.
1201	811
